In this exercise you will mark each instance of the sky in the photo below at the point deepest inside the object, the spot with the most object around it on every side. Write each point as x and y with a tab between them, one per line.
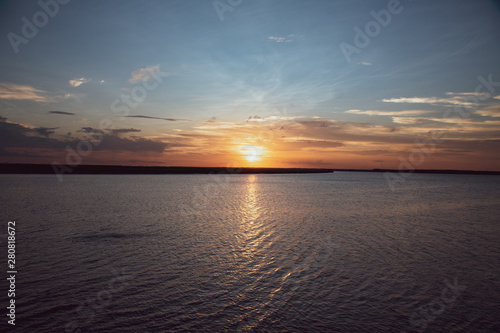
358	84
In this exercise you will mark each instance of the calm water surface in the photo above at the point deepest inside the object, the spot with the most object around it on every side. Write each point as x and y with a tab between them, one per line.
254	253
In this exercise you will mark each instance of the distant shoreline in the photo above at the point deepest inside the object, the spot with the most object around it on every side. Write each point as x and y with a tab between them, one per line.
438	171
19	168
22	168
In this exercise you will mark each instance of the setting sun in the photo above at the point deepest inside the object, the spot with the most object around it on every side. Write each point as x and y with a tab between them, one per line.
252	153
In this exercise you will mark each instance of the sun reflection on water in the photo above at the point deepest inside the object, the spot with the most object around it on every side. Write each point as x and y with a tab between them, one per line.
251	225
251	208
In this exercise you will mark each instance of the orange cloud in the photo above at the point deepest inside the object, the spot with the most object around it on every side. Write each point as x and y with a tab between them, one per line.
21	92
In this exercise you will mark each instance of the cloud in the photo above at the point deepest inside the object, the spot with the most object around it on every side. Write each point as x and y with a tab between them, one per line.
254	119
298	133
492	111
160	118
497	97
364	63
45	131
278	39
407	120
78	81
21	92
444	120
484	94
15	137
70	96
453	120
454	99
144	74
62	112
310	144
113	142
421	100
390	113
124	130
214	123
89	130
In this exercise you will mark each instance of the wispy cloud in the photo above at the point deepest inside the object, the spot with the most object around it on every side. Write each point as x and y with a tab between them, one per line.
62	112
421	120
281	39
364	63
390	113
144	74
255	119
468	94
78	81
407	120
21	92
426	100
452	121
160	118
492	111
453	99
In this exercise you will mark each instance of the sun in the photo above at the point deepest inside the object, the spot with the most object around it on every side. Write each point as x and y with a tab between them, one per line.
252	153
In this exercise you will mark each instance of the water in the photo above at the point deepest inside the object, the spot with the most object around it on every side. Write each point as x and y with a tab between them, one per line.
254	253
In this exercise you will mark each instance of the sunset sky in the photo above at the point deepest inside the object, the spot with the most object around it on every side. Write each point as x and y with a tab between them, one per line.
279	83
